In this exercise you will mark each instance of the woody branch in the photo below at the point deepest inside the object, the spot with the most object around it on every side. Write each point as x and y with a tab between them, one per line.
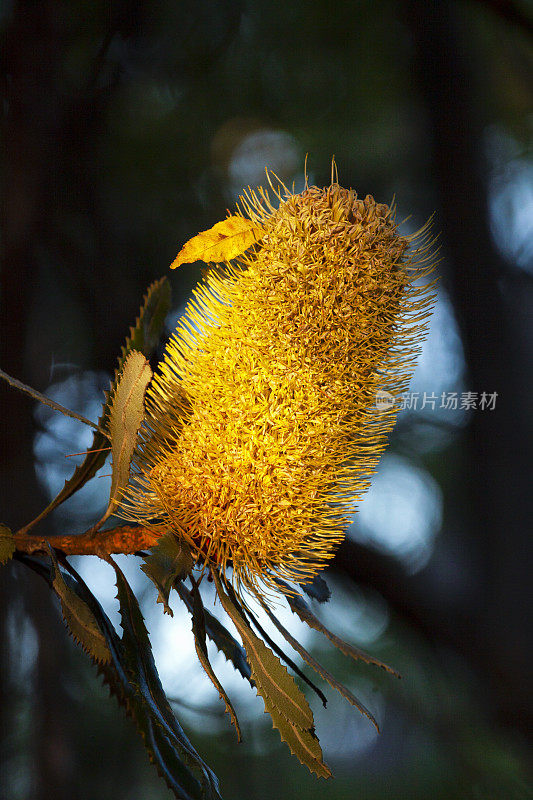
124	539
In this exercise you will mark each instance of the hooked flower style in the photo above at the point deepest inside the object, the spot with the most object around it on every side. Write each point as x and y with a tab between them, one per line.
262	431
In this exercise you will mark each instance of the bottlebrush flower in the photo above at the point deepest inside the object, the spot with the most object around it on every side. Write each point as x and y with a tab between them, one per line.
262	431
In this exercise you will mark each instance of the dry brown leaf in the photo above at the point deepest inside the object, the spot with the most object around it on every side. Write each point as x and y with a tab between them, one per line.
224	241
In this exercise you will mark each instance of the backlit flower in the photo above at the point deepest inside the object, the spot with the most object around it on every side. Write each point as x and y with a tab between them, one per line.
262	431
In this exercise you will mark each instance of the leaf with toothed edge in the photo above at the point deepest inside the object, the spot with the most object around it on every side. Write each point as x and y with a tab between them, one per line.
220	636
224	241
78	617
116	676
272	679
167	562
198	628
287	706
125	418
302	743
301	609
276	648
327	676
144	336
141	665
146	333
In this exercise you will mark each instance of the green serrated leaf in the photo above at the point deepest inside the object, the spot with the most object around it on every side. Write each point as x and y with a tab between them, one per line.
168	561
144	337
198	629
141	666
220	636
327	676
170	767
125	418
273	682
7	544
302	610
276	648
302	743
79	618
146	333
117	677
283	700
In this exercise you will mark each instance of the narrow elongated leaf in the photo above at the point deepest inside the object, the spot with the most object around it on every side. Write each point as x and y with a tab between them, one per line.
302	610
279	652
79	618
220	636
169	766
75	585
287	706
168	561
125	418
146	333
7	544
141	665
116	675
302	743
224	241
198	628
121	684
327	676
273	682
144	337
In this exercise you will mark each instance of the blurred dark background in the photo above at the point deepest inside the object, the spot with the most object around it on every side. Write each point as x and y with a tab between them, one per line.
130	126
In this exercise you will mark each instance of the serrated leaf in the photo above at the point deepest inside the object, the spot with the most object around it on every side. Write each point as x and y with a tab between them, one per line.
169	766
144	337
168	561
78	617
125	418
146	333
198	629
141	666
327	676
317	589
302	743
302	610
7	544
283	700
117	677
220	636
277	649
160	751
273	682
224	241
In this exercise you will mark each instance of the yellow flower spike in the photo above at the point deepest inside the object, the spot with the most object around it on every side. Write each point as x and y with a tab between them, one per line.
262	430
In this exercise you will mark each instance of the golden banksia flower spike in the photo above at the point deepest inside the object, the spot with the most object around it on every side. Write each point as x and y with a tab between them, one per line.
262	430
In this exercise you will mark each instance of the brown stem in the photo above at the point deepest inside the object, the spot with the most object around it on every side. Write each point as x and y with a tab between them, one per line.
124	539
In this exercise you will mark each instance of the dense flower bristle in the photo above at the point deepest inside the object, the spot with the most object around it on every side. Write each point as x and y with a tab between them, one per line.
262	430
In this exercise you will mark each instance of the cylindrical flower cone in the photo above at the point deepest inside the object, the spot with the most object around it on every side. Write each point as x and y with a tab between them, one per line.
262	431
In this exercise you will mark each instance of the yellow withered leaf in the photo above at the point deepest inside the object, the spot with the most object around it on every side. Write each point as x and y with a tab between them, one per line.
224	241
